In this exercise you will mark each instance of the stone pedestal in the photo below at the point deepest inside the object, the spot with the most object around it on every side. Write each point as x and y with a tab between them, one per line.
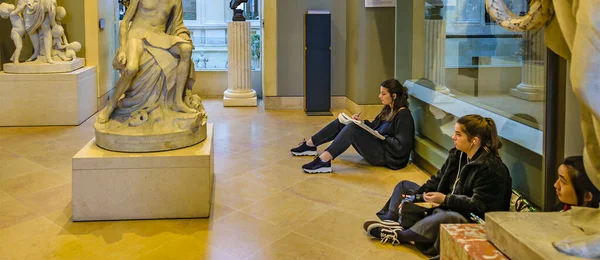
435	54
48	99
467	241
174	184
532	86
239	81
39	66
525	235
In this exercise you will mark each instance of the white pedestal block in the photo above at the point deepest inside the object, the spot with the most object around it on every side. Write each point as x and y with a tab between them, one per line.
41	67
48	99
529	235
240	102
529	96
173	184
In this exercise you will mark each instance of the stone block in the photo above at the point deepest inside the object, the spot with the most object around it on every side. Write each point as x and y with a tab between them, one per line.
467	241
240	102
48	99
173	184
529	235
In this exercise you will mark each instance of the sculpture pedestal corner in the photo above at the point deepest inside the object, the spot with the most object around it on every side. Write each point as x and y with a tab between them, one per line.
115	186
48	99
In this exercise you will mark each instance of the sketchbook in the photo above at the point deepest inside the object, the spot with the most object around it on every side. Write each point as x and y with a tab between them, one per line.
345	119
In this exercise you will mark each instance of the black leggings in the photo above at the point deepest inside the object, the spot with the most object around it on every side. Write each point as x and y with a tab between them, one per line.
367	145
390	210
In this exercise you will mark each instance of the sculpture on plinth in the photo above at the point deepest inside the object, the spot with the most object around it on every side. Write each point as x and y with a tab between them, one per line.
572	34
152	107
41	20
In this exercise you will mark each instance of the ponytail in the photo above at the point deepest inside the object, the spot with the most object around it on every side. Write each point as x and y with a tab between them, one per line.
493	143
485	129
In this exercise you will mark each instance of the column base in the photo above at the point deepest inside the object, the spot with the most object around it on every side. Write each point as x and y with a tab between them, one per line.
529	96
442	89
240	102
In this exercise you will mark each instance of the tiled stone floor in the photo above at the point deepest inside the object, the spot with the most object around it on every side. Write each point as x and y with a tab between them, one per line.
265	207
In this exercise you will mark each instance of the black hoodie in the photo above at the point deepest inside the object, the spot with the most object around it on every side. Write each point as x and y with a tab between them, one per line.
484	184
399	138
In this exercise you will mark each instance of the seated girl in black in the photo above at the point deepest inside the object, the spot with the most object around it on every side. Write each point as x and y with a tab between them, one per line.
395	123
472	180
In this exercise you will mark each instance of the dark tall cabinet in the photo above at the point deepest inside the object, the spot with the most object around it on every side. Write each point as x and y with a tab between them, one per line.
317	62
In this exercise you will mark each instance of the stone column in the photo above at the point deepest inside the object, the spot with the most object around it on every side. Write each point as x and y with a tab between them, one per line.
435	53
532	86
239	78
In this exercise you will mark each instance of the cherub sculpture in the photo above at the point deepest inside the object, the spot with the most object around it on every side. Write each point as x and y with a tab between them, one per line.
18	27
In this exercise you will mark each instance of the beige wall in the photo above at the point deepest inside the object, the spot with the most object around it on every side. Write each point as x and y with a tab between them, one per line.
214	83
369	51
269	47
108	37
74	23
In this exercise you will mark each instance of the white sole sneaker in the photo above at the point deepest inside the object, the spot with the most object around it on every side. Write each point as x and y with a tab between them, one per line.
320	170
305	153
368	225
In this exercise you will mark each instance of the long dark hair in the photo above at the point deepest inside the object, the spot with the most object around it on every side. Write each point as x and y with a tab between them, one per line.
401	101
484	128
581	182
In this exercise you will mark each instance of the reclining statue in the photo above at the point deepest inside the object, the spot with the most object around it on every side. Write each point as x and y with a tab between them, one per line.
576	39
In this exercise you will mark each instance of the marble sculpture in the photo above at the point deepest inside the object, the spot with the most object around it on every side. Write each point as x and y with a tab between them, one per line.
152	107
574	34
42	21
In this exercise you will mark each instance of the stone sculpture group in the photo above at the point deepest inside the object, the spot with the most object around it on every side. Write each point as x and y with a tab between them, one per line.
42	21
152	107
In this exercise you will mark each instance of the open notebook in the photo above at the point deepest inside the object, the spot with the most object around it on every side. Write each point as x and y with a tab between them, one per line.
345	119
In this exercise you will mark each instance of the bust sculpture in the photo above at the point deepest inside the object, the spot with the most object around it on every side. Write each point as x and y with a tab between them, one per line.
152	108
238	15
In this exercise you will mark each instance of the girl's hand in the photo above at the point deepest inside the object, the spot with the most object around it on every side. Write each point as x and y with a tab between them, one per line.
435	197
356	116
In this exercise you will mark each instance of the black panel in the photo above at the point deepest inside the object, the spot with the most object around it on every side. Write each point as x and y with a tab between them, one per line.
317	94
318	31
318	87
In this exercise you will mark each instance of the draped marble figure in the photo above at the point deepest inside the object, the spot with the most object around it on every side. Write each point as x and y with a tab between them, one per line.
153	95
573	32
42	21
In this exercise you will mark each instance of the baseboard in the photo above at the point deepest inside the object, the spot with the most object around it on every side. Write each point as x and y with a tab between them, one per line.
367	111
428	156
278	103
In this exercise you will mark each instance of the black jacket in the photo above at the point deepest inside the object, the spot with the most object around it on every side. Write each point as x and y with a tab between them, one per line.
399	138
485	184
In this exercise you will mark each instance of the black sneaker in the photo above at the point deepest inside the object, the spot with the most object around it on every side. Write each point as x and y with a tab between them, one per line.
317	166
304	150
385	234
377	223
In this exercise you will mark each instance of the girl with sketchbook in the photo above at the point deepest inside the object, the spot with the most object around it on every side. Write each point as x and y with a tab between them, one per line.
395	123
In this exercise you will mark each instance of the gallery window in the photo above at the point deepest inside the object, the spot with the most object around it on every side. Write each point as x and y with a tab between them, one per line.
474	66
207	20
